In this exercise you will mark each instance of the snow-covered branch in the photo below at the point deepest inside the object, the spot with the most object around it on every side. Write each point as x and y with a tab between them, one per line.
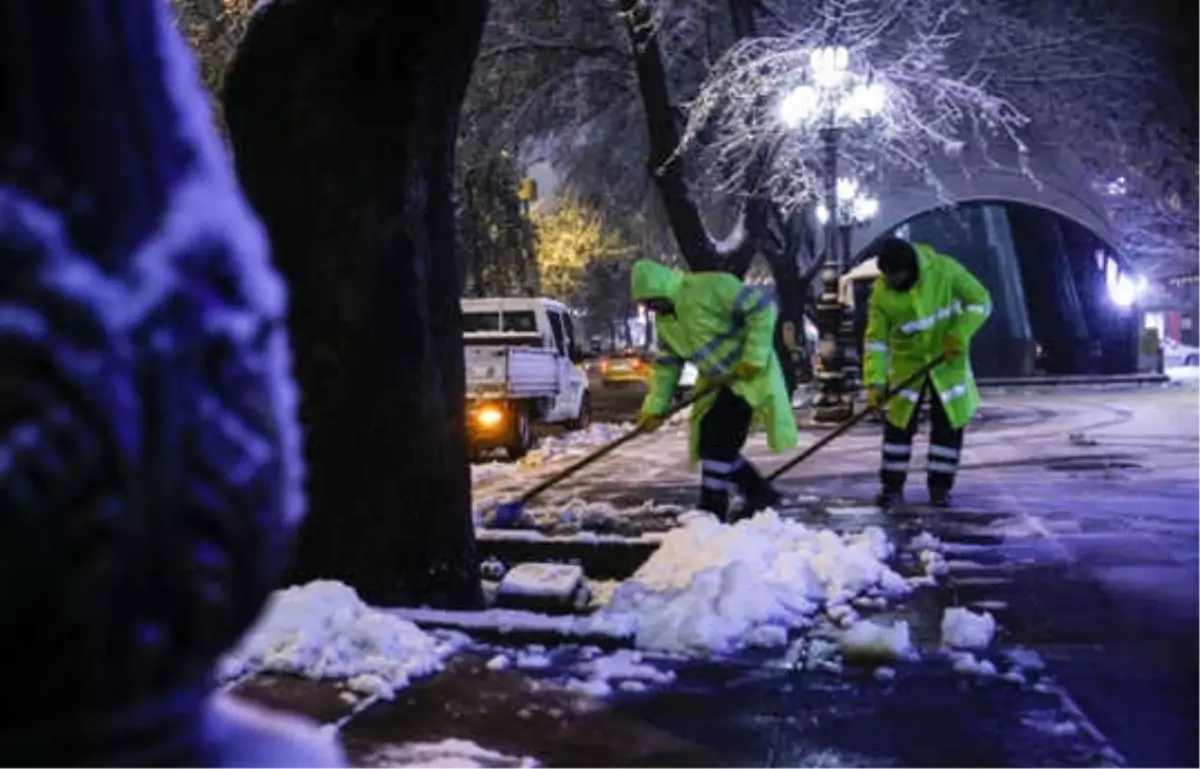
934	106
991	81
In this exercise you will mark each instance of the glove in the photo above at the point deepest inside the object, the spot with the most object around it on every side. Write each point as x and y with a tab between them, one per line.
952	347
647	422
875	395
746	370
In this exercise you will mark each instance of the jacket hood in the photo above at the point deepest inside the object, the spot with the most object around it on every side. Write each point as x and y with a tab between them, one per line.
924	251
652	280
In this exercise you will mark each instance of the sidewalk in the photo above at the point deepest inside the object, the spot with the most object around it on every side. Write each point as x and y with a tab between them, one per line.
507	711
1076	529
716	715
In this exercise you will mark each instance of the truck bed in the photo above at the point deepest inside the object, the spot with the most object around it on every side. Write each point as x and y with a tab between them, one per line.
497	371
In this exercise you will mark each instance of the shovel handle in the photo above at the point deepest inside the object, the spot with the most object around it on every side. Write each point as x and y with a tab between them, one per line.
853	420
611	446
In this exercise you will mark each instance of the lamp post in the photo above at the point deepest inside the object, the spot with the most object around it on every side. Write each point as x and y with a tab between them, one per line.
855	209
833	98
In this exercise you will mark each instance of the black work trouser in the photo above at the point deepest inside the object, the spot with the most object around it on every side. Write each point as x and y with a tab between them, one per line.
723	433
945	446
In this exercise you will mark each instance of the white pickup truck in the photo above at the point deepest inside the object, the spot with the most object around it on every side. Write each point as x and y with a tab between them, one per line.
522	369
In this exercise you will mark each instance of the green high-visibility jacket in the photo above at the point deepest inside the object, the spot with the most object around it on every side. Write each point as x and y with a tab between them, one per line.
906	330
718	323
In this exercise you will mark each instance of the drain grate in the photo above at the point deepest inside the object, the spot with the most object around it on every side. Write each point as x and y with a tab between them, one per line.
1091	466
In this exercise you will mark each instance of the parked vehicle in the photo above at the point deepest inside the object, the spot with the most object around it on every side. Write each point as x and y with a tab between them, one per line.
522	369
1182	362
631	368
624	368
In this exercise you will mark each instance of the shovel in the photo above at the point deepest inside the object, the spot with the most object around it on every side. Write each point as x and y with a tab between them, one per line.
853	420
510	512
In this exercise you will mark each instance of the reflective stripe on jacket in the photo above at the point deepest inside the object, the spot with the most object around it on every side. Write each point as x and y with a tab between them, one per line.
906	330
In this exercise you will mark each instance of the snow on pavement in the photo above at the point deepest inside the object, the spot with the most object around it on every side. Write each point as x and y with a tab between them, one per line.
966	630
586	670
709	589
550	449
324	630
868	641
710	586
715	588
447	753
574	444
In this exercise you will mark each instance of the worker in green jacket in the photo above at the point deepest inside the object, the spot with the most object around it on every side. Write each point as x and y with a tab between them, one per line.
727	330
923	305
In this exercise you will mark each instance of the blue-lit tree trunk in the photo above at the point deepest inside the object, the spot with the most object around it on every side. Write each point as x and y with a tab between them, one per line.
343	117
149	453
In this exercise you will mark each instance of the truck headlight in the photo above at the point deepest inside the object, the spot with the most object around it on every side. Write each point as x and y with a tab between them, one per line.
489	416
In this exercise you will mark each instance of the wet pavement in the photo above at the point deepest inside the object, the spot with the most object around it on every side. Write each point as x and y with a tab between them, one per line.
1075	526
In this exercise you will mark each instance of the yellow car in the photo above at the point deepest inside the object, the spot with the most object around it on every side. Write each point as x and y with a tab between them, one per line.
624	369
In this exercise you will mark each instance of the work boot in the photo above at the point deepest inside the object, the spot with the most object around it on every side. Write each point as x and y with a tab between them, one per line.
889	499
939	497
764	496
715	502
759	494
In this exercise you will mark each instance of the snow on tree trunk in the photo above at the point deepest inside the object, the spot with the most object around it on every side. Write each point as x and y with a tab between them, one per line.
695	243
343	118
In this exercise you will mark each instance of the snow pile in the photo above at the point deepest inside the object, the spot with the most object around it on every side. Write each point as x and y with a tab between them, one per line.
447	753
963	629
323	630
575	443
710	585
870	642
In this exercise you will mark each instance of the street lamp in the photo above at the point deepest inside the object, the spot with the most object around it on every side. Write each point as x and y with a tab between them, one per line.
835	97
855	209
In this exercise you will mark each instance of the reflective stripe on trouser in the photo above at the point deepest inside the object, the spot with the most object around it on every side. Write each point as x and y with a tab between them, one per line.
945	447
723	432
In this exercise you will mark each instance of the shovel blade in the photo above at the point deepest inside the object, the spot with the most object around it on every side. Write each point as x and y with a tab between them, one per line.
506	515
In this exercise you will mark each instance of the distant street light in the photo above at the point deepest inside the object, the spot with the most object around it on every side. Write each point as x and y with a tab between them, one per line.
834	97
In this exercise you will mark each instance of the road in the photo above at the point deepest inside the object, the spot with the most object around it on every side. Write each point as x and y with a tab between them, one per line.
615	404
1076	525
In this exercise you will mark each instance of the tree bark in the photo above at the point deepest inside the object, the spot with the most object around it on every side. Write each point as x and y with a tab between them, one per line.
691	236
343	117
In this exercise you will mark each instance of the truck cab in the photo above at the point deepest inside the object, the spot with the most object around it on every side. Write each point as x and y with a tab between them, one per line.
522	361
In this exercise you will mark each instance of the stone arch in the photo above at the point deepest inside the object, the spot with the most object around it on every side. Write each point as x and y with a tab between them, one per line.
1039	299
1059	186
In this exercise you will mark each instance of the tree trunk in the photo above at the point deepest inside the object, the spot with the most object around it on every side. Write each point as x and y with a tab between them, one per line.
343	116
